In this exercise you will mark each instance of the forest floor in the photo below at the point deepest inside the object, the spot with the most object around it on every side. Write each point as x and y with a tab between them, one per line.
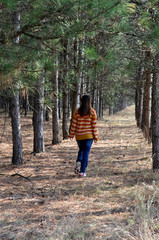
44	199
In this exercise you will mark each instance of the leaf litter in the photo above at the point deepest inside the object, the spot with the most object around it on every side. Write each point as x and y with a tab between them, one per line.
44	199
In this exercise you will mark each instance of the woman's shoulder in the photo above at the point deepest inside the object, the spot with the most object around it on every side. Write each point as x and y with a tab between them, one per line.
93	111
76	112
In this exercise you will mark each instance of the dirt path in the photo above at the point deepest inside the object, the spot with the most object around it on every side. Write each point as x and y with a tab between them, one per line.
51	202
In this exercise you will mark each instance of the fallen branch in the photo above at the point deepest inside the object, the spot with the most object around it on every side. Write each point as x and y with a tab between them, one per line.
19	175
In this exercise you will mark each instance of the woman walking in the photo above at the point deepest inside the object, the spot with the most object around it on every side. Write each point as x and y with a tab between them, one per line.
84	128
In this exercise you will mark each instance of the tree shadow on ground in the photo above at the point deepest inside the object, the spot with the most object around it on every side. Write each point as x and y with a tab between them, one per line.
117	164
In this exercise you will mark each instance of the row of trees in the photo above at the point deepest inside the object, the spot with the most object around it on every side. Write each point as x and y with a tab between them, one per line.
147	75
54	51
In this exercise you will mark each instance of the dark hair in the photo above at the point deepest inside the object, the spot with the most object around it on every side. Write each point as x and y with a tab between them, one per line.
85	108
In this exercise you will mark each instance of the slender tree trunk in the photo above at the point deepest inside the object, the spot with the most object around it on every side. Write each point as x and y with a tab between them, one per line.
17	157
137	104
111	110
155	114
77	79
93	96
65	91
139	122
146	105
139	98
4	103
26	103
65	114
150	115
47	109
47	114
83	82
61	68
82	67
100	104
16	128
55	113
97	102
38	116
123	102
88	85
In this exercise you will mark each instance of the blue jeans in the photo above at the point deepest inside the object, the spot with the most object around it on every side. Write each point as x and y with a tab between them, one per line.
83	153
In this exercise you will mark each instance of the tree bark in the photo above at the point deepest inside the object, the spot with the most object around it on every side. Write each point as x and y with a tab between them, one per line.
25	102
38	116
17	157
155	114
139	98
65	91
146	106
47	114
100	104
77	79
111	110
137	104
55	113
61	67
123	102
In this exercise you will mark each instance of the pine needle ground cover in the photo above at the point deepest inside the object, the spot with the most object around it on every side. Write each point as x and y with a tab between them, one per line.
44	199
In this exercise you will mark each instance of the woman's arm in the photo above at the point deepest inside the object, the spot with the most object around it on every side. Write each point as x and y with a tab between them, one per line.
73	126
94	127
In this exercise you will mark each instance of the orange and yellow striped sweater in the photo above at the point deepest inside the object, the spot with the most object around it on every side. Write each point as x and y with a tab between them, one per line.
84	127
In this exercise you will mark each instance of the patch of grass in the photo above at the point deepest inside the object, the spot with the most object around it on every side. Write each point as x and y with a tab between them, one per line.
34	234
144	224
70	228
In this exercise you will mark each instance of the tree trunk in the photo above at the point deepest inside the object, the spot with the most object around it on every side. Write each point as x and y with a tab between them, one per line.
123	102
137	104
15	111
47	114
97	102
150	115
25	103
38	116
88	85
146	105
93	96
55	113
61	68
16	128
83	77
155	114
111	110
77	79
139	98
100	104
4	101
65	91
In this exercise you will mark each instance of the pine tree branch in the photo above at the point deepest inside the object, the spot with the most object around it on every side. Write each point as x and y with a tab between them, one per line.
25	28
100	13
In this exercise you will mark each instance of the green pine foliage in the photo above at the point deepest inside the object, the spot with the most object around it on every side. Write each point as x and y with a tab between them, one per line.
10	4
114	34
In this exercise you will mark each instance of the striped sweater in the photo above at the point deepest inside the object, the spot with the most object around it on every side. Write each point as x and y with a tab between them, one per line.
84	127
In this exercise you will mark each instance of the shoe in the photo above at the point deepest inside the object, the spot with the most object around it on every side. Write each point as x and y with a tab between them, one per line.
82	174
77	167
